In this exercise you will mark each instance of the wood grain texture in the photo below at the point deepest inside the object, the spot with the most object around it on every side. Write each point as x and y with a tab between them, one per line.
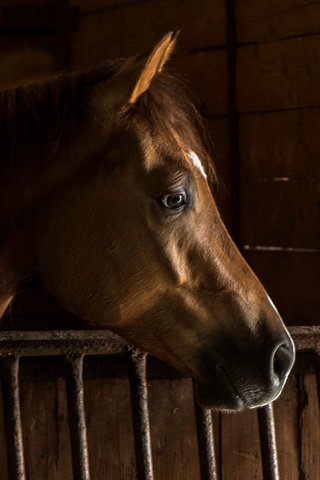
280	144
174	442
110	431
137	26
45	430
309	421
273	19
240	450
285	415
279	75
282	213
292	280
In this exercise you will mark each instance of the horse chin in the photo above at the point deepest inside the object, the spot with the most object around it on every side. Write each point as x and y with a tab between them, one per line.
225	394
224	400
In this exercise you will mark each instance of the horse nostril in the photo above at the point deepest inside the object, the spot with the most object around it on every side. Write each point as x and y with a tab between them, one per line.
282	359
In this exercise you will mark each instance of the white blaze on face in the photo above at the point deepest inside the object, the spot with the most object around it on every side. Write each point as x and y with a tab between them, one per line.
197	163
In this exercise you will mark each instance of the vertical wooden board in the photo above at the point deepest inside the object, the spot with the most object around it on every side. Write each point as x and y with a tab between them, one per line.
281	212
279	75
219	132
270	20
292	279
110	431
280	144
224	190
45	430
3	450
240	449
207	75
173	430
135	27
285	416
309	423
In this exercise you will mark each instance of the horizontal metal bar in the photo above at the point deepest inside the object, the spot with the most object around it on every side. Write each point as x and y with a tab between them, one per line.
140	415
268	443
12	417
62	342
77	422
104	342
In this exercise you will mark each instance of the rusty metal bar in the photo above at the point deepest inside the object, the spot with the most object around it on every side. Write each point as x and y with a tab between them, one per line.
77	422
65	342
104	342
268	443
12	417
208	469
140	414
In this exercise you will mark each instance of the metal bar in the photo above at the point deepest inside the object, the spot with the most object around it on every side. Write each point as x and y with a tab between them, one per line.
57	342
140	414
208	469
77	422
104	342
12	417
268	443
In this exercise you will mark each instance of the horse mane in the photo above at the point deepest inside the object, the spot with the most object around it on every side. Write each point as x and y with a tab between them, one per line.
42	111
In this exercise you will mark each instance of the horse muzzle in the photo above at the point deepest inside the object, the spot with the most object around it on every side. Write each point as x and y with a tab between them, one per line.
234	377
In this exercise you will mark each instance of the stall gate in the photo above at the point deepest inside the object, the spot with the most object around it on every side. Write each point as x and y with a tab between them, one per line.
72	348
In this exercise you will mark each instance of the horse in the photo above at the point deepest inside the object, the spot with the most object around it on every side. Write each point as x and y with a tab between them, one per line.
106	194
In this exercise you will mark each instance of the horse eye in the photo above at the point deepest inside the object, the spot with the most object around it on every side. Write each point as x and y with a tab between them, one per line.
174	201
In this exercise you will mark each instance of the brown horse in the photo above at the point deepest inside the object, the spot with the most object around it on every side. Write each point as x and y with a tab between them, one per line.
105	193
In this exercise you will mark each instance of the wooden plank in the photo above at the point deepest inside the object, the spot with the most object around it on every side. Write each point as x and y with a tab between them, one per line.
270	20
174	442
281	212
136	27
279	75
309	421
45	430
280	144
37	18
240	446
286	414
206	74
223	192
292	280
109	426
93	6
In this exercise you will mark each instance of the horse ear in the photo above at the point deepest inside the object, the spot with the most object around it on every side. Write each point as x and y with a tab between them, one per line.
151	64
134	78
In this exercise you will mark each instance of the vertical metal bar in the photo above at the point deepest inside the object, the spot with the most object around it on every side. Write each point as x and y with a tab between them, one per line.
77	422
208	469
12	417
140	414
268	443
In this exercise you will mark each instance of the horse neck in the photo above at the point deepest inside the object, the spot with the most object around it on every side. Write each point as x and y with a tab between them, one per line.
34	160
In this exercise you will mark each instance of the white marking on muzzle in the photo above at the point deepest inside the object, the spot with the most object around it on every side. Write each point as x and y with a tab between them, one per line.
197	163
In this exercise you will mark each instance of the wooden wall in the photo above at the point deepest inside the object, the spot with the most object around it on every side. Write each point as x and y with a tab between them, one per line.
266	133
278	104
271	201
